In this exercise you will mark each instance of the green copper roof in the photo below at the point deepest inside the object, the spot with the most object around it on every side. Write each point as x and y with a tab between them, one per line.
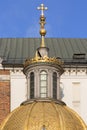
16	50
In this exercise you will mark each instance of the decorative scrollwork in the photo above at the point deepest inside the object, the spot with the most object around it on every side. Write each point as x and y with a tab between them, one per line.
43	59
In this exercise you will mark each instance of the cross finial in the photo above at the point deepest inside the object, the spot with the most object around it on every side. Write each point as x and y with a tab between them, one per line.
42	8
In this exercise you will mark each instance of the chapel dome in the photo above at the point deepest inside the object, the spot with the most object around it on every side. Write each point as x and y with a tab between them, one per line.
43	115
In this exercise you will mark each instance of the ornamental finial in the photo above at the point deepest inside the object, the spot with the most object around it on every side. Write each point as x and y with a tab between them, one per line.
42	23
42	8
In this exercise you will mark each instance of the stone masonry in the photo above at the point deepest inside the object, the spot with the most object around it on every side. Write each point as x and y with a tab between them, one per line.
4	94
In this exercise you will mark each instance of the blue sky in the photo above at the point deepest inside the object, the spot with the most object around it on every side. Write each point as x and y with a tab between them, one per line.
65	18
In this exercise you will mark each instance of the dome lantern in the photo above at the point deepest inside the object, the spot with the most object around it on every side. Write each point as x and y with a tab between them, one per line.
45	70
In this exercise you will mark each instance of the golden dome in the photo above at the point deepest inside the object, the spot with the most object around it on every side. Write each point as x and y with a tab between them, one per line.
34	115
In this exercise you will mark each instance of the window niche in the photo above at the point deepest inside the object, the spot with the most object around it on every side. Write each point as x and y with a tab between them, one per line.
54	85
43	84
32	85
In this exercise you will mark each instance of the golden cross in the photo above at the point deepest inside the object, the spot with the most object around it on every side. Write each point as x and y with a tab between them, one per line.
42	8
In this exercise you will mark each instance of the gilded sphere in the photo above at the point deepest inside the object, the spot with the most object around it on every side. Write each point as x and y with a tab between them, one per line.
35	115
42	32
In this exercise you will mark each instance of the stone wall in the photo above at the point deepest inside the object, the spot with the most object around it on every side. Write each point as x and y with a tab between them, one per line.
4	94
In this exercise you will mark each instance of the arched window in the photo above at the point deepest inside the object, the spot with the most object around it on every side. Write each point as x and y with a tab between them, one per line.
55	85
43	84
32	85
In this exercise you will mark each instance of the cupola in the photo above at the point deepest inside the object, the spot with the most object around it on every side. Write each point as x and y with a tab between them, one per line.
43	72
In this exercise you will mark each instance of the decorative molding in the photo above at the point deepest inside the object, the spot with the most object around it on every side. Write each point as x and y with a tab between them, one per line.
75	71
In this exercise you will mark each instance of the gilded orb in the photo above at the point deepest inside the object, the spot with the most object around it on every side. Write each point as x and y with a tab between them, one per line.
43	32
